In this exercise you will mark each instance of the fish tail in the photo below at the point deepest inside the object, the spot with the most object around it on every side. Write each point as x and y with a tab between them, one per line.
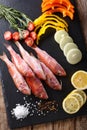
3	57
8	47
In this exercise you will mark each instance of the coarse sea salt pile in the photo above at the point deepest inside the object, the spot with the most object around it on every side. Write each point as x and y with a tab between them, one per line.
20	111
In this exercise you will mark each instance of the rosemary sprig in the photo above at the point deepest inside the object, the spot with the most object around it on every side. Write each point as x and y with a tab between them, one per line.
16	19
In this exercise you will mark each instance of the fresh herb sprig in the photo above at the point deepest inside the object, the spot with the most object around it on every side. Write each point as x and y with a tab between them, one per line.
16	19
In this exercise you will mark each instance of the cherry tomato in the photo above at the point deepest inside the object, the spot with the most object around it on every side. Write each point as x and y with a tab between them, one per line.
25	33
30	26
33	35
16	36
29	41
7	35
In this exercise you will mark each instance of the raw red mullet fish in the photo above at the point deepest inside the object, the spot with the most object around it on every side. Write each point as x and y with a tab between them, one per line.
37	87
31	61
20	63
50	62
51	80
18	79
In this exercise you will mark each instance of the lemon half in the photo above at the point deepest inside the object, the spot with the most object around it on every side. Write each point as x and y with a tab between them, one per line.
79	80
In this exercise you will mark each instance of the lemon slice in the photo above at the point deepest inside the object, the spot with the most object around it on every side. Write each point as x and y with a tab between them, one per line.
68	47
74	56
59	35
74	101
79	97
64	41
82	93
71	105
79	80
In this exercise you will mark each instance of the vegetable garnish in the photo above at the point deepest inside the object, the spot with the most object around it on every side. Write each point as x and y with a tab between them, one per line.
48	20
63	6
16	19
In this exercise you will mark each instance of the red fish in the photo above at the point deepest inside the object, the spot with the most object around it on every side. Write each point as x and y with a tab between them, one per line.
18	79
32	62
51	80
50	62
21	65
37	87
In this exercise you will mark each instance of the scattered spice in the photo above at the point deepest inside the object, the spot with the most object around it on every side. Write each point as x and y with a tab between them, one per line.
48	106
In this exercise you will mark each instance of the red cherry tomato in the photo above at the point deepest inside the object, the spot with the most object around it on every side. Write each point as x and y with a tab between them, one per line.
30	26
25	33
29	41
33	35
15	36
7	35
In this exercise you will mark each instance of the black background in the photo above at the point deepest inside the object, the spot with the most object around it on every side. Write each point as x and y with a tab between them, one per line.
33	9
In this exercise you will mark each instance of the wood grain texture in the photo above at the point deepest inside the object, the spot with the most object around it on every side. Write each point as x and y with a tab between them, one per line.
82	9
79	123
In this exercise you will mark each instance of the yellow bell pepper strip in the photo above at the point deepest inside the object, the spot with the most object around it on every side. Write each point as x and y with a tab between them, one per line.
47	16
52	20
45	21
45	27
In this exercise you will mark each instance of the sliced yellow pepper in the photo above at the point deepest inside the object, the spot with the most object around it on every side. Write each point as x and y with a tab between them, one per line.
46	21
44	28
45	16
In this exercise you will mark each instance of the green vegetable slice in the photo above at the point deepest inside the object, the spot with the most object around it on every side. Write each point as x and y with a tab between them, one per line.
68	47
59	35
74	56
64	41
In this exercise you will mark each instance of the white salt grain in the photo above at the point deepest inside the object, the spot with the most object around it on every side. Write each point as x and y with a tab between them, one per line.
20	112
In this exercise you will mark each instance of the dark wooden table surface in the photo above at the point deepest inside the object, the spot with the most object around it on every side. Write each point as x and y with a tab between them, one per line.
79	123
